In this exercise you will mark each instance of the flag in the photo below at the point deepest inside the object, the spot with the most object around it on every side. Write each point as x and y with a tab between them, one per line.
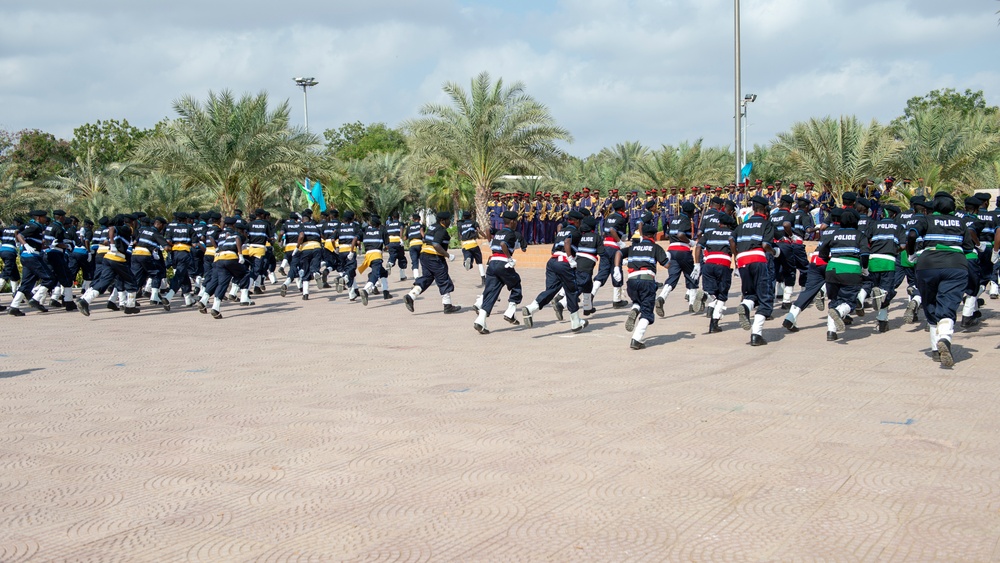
317	196
305	191
745	172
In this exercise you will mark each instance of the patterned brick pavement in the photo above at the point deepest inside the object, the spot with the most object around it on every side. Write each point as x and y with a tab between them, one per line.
326	431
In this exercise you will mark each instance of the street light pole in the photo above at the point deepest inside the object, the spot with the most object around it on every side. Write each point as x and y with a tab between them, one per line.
737	117
747	100
305	83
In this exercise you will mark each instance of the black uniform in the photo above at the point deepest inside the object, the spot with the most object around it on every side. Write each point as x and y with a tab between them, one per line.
182	239
500	271
397	255
642	258
559	273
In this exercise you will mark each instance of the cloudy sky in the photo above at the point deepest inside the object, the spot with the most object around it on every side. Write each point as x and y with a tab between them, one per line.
656	71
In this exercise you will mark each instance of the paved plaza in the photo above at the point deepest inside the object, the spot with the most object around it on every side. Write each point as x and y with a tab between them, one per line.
328	431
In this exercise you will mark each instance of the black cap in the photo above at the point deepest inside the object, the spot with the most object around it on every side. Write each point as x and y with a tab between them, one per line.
307	213
863	202
687	207
241	224
160	219
918	200
374	219
618	204
103	221
88	222
730	203
836	212
506	215
575	215
727	220
649	204
466	214
348	215
716	200
944	194
443	215
787	199
648	229
237	212
139	214
849	197
38	213
803	201
259	211
759	200
196	215
973	201
589	223
230	221
586	212
180	215
416	216
891	208
58	213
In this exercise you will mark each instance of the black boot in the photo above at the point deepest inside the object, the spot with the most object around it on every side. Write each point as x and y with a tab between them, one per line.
757	340
831	336
449	309
636	345
386	295
883	326
713	326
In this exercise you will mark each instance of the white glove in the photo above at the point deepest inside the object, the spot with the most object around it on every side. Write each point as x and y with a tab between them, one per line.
995	257
777	251
696	271
239	258
510	264
572	263
864	272
350	256
28	248
90	256
388	269
451	257
616	274
983	245
294	252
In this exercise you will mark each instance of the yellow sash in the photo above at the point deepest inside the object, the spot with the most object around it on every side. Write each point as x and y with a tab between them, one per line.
370	256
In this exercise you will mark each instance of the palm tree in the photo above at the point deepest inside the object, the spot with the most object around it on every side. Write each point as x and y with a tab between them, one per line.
484	134
684	166
87	177
231	147
381	177
947	149
841	154
19	196
158	194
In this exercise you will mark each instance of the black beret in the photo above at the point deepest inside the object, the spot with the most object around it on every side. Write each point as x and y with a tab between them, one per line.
103	221
506	215
982	196
862	202
918	200
586	212
973	201
849	216
716	200
259	211
416	216
196	215
180	215
374	219
216	215
466	214
230	220
618	204
38	213
802	201
849	196
891	208
649	204
648	229
348	215
88	222
443	215
241	224
727	220
238	212
58	213
589	223
759	200
575	215
836	212
161	219
787	199
307	212
731	203
140	214
945	195
687	207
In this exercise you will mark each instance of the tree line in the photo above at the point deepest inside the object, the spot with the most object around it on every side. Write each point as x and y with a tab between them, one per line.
227	152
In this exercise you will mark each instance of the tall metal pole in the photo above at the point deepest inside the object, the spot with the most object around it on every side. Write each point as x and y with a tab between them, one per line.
746	123
305	83
305	104
738	96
